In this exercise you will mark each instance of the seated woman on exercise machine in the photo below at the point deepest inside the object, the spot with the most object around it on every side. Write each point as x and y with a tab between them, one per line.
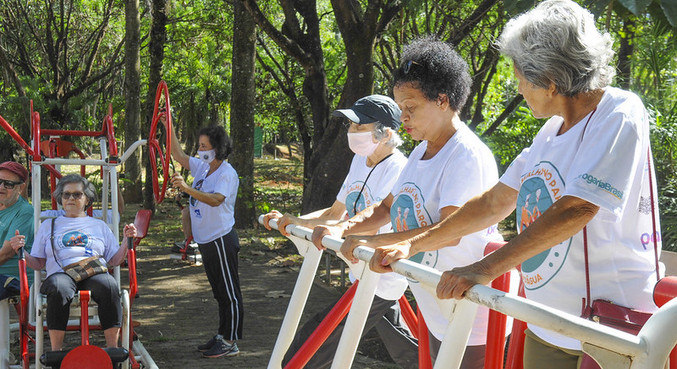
66	240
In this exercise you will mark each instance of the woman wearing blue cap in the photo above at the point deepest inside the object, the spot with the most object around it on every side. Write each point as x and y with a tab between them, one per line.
449	167
372	136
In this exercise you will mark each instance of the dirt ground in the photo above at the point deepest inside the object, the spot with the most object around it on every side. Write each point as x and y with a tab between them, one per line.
177	312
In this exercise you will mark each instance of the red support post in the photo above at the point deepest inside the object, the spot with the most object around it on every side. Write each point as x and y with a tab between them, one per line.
424	360
84	317
409	316
515	359
330	322
495	347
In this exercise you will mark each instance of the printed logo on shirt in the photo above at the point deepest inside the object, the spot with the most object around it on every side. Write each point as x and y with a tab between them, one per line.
590	179
363	202
408	212
198	186
647	239
77	239
539	189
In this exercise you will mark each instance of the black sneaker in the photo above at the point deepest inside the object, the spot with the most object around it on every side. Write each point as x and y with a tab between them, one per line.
208	345
221	348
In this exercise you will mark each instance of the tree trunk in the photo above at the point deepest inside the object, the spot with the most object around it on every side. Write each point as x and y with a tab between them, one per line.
133	189
156	50
625	52
242	112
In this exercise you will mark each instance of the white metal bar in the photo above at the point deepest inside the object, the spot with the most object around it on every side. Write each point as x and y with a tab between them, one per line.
131	149
647	350
36	183
126	324
299	296
357	317
72	161
146	359
461	319
4	334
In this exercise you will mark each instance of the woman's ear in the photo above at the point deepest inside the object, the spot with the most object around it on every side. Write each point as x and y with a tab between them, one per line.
443	101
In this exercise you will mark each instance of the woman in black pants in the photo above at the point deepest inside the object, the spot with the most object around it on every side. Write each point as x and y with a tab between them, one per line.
212	203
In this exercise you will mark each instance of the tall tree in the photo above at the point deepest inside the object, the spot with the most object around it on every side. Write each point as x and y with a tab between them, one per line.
241	113
71	51
156	49
132	88
360	24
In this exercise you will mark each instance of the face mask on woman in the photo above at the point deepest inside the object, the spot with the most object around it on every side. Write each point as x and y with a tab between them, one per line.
207	156
361	143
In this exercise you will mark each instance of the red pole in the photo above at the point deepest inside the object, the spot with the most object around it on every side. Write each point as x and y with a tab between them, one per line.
424	360
330	322
84	317
515	358
495	346
409	316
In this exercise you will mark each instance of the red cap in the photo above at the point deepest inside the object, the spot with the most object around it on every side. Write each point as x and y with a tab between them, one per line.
15	168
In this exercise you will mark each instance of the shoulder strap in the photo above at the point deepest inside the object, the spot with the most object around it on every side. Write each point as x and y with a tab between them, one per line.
653	213
51	240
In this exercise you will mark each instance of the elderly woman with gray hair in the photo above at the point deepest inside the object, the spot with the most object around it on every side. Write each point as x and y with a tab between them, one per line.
582	192
71	238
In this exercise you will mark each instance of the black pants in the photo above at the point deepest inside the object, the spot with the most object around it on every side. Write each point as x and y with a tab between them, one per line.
383	314
219	258
60	290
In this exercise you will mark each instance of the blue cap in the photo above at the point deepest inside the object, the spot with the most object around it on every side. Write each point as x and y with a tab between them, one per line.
371	109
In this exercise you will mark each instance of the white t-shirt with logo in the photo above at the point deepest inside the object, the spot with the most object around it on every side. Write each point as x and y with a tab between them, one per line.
211	222
74	239
603	160
461	170
391	286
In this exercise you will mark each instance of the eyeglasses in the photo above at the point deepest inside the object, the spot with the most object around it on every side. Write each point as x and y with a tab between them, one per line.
74	195
407	66
9	184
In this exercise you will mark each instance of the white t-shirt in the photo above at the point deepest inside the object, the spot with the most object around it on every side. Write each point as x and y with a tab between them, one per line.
391	286
74	239
461	170
603	161
96	213
211	222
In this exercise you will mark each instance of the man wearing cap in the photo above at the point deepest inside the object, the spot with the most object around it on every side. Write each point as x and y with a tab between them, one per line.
372	136
15	214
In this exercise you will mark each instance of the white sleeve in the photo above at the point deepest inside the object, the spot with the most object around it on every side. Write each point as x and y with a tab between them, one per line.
605	164
41	239
511	177
111	244
195	165
227	184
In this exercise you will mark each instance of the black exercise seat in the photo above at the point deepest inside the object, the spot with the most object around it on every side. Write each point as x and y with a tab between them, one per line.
53	359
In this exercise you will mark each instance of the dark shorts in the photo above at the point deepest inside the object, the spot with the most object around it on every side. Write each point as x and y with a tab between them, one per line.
9	286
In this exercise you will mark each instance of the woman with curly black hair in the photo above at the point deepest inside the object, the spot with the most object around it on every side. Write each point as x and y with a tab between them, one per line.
449	167
212	204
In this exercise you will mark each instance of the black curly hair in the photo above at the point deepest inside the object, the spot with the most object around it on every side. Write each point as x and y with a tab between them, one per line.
435	68
219	140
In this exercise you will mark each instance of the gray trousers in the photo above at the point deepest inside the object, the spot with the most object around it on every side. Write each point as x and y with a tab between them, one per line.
384	315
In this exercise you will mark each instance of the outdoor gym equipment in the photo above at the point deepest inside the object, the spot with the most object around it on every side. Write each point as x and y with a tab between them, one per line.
613	349
154	149
30	305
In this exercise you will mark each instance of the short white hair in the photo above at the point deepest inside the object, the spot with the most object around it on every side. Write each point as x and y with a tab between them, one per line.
381	130
558	42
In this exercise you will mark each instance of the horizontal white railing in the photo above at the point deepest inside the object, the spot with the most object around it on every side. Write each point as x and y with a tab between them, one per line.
613	349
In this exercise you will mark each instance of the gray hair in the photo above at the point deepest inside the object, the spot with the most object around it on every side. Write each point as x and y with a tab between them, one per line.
557	42
381	131
87	188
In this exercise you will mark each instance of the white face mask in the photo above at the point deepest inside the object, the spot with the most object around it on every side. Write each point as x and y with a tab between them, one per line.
207	156
361	143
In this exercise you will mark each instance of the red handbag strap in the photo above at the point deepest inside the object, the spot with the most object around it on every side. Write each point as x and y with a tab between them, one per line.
653	213
654	236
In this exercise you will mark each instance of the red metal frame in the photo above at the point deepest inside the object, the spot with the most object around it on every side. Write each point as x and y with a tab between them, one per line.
154	144
84	316
330	322
495	346
424	359
664	291
409	316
